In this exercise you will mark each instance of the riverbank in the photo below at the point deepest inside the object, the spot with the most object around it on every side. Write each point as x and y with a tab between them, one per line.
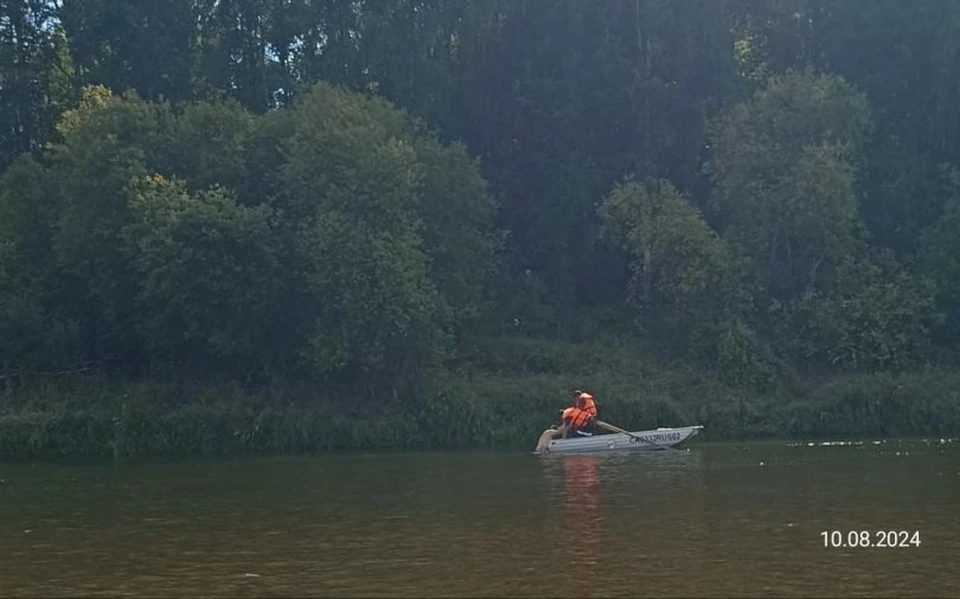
500	395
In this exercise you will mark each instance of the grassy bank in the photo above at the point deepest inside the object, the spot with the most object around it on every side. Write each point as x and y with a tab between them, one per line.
502	394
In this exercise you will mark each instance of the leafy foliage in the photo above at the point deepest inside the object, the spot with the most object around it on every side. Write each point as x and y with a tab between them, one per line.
878	318
678	258
939	260
341	189
209	273
173	253
783	166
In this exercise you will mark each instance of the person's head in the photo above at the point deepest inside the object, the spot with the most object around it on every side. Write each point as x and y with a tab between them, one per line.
579	398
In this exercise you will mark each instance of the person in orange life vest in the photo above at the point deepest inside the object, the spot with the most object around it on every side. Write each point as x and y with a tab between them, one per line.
577	422
580	419
585	401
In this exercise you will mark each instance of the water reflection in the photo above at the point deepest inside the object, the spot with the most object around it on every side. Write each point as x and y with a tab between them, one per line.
581	477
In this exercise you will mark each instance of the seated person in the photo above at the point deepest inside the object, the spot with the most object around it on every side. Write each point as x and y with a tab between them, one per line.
577	422
585	401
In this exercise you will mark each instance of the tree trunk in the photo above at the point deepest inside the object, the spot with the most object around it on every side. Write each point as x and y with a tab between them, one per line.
813	272
647	273
772	261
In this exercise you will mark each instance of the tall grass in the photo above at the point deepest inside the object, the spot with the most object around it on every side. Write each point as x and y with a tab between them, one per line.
501	394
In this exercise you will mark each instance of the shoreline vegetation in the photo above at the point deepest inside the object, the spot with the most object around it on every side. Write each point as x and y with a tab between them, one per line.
498	400
251	227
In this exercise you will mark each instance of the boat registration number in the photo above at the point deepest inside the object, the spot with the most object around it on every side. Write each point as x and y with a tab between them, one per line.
657	438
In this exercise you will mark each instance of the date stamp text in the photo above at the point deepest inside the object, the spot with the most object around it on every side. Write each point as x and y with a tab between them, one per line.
836	539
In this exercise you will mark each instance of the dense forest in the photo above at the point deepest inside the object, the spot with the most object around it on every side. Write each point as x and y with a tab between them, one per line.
351	190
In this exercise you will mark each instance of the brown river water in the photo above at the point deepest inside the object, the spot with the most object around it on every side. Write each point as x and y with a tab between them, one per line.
715	520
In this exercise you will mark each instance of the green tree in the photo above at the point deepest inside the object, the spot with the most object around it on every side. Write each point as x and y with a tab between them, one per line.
939	259
581	94
686	280
783	165
35	329
678	260
30	56
104	146
210	145
458	215
209	273
149	47
878	317
334	236
899	53
351	184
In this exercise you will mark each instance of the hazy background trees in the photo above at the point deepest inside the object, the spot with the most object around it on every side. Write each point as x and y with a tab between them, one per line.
303	188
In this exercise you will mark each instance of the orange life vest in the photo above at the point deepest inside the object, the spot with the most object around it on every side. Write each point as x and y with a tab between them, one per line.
576	418
585	402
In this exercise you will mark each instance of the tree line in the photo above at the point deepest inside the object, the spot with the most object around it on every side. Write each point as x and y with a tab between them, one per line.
323	189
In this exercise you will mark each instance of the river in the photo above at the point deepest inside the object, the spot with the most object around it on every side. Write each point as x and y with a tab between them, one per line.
716	520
